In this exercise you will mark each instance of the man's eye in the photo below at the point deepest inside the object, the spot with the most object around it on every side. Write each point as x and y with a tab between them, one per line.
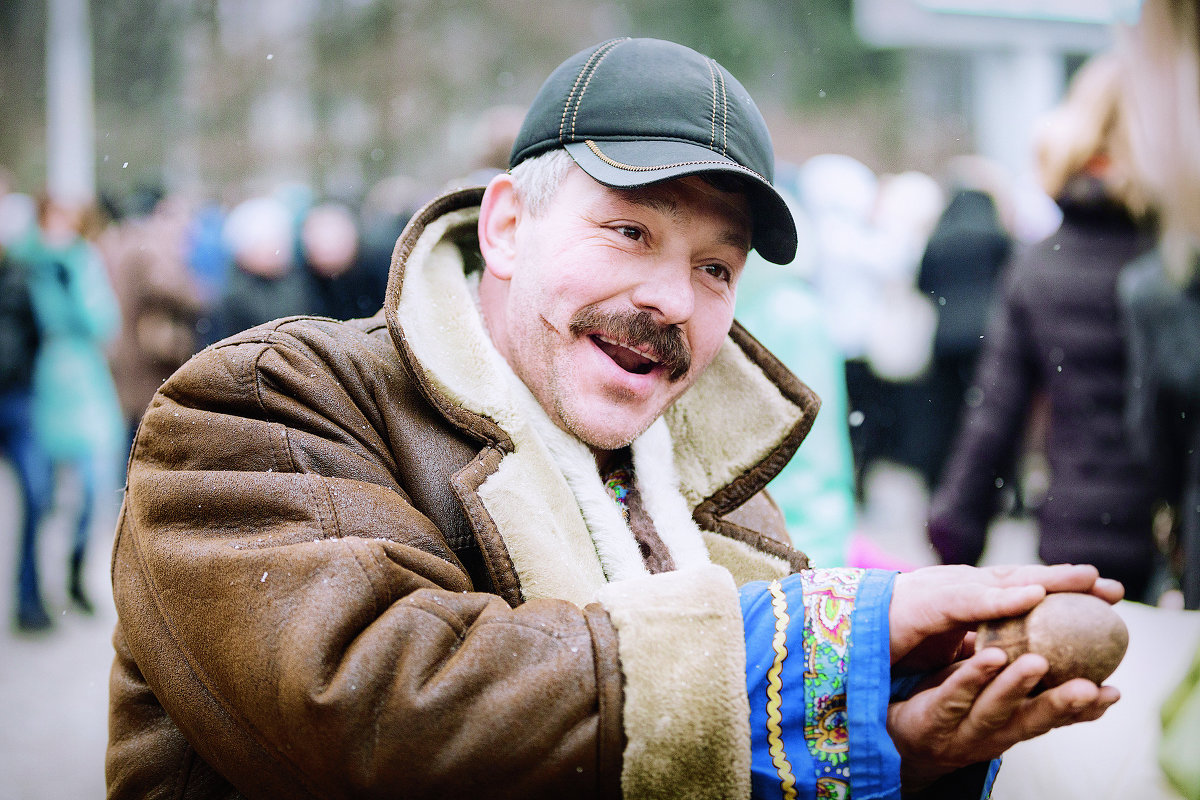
719	271
630	232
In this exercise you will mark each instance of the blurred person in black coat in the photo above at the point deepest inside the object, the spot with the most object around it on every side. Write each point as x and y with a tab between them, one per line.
340	285
265	283
1160	292
18	346
959	270
1055	333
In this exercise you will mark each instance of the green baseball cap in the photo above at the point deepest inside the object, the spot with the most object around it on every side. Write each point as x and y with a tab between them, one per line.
633	112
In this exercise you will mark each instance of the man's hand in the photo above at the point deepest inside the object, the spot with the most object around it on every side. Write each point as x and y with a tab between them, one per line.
934	610
979	708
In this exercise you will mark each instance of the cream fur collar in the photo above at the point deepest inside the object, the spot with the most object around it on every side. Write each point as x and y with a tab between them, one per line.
565	537
654	471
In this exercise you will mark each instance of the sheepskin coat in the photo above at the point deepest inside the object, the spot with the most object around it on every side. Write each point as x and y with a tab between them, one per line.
356	559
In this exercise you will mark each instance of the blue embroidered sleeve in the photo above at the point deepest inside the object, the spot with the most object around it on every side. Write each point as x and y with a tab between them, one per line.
818	677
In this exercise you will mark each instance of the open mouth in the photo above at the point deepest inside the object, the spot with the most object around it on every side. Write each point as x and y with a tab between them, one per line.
635	342
638	362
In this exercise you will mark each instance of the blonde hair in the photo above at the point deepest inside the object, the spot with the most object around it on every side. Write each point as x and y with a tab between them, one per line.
1091	123
1161	63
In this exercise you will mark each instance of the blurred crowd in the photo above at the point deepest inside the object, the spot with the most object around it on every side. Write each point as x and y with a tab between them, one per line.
1023	353
1024	359
957	324
961	325
987	339
101	302
883	313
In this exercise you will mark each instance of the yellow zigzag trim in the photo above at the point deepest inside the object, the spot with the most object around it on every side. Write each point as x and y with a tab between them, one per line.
787	781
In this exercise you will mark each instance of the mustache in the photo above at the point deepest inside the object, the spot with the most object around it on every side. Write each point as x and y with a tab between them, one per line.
638	329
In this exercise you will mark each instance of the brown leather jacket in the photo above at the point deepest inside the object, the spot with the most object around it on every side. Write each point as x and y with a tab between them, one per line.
347	566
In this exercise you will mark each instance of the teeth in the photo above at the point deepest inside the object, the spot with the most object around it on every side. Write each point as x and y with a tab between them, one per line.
641	351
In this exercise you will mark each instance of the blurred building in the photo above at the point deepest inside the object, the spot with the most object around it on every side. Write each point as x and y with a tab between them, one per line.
1001	64
233	98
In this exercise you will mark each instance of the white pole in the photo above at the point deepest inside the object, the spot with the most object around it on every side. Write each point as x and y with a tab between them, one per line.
70	116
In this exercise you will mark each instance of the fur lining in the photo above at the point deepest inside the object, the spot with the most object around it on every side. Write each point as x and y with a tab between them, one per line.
744	562
658	483
620	557
709	423
686	714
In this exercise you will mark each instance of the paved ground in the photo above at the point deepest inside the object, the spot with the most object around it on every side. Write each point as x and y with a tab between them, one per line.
54	687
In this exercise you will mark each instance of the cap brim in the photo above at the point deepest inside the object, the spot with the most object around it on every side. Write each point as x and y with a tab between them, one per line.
629	164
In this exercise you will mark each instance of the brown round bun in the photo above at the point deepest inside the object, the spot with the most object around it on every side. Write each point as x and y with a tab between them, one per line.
1079	634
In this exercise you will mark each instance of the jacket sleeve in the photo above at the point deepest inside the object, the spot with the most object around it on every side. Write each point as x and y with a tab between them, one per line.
818	677
990	435
309	630
818	674
1141	381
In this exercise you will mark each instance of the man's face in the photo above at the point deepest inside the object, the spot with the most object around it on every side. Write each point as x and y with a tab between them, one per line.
614	302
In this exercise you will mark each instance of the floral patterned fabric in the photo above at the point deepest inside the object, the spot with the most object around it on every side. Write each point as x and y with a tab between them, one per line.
818	676
828	606
829	665
617	485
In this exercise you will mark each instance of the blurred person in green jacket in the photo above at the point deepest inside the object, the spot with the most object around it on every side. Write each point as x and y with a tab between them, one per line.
76	416
815	491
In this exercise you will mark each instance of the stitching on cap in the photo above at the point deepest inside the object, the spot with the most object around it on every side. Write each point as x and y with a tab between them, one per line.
589	69
587	83
724	114
595	148
586	66
712	117
582	70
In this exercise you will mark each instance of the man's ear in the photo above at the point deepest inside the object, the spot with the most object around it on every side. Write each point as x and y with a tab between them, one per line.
499	215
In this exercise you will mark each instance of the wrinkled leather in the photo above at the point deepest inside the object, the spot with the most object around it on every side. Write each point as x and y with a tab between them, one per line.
305	608
310	635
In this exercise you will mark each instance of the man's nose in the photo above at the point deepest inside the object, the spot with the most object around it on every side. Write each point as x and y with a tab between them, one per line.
666	292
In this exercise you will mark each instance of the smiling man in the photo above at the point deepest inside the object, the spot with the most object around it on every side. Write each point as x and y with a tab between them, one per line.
610	304
509	537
